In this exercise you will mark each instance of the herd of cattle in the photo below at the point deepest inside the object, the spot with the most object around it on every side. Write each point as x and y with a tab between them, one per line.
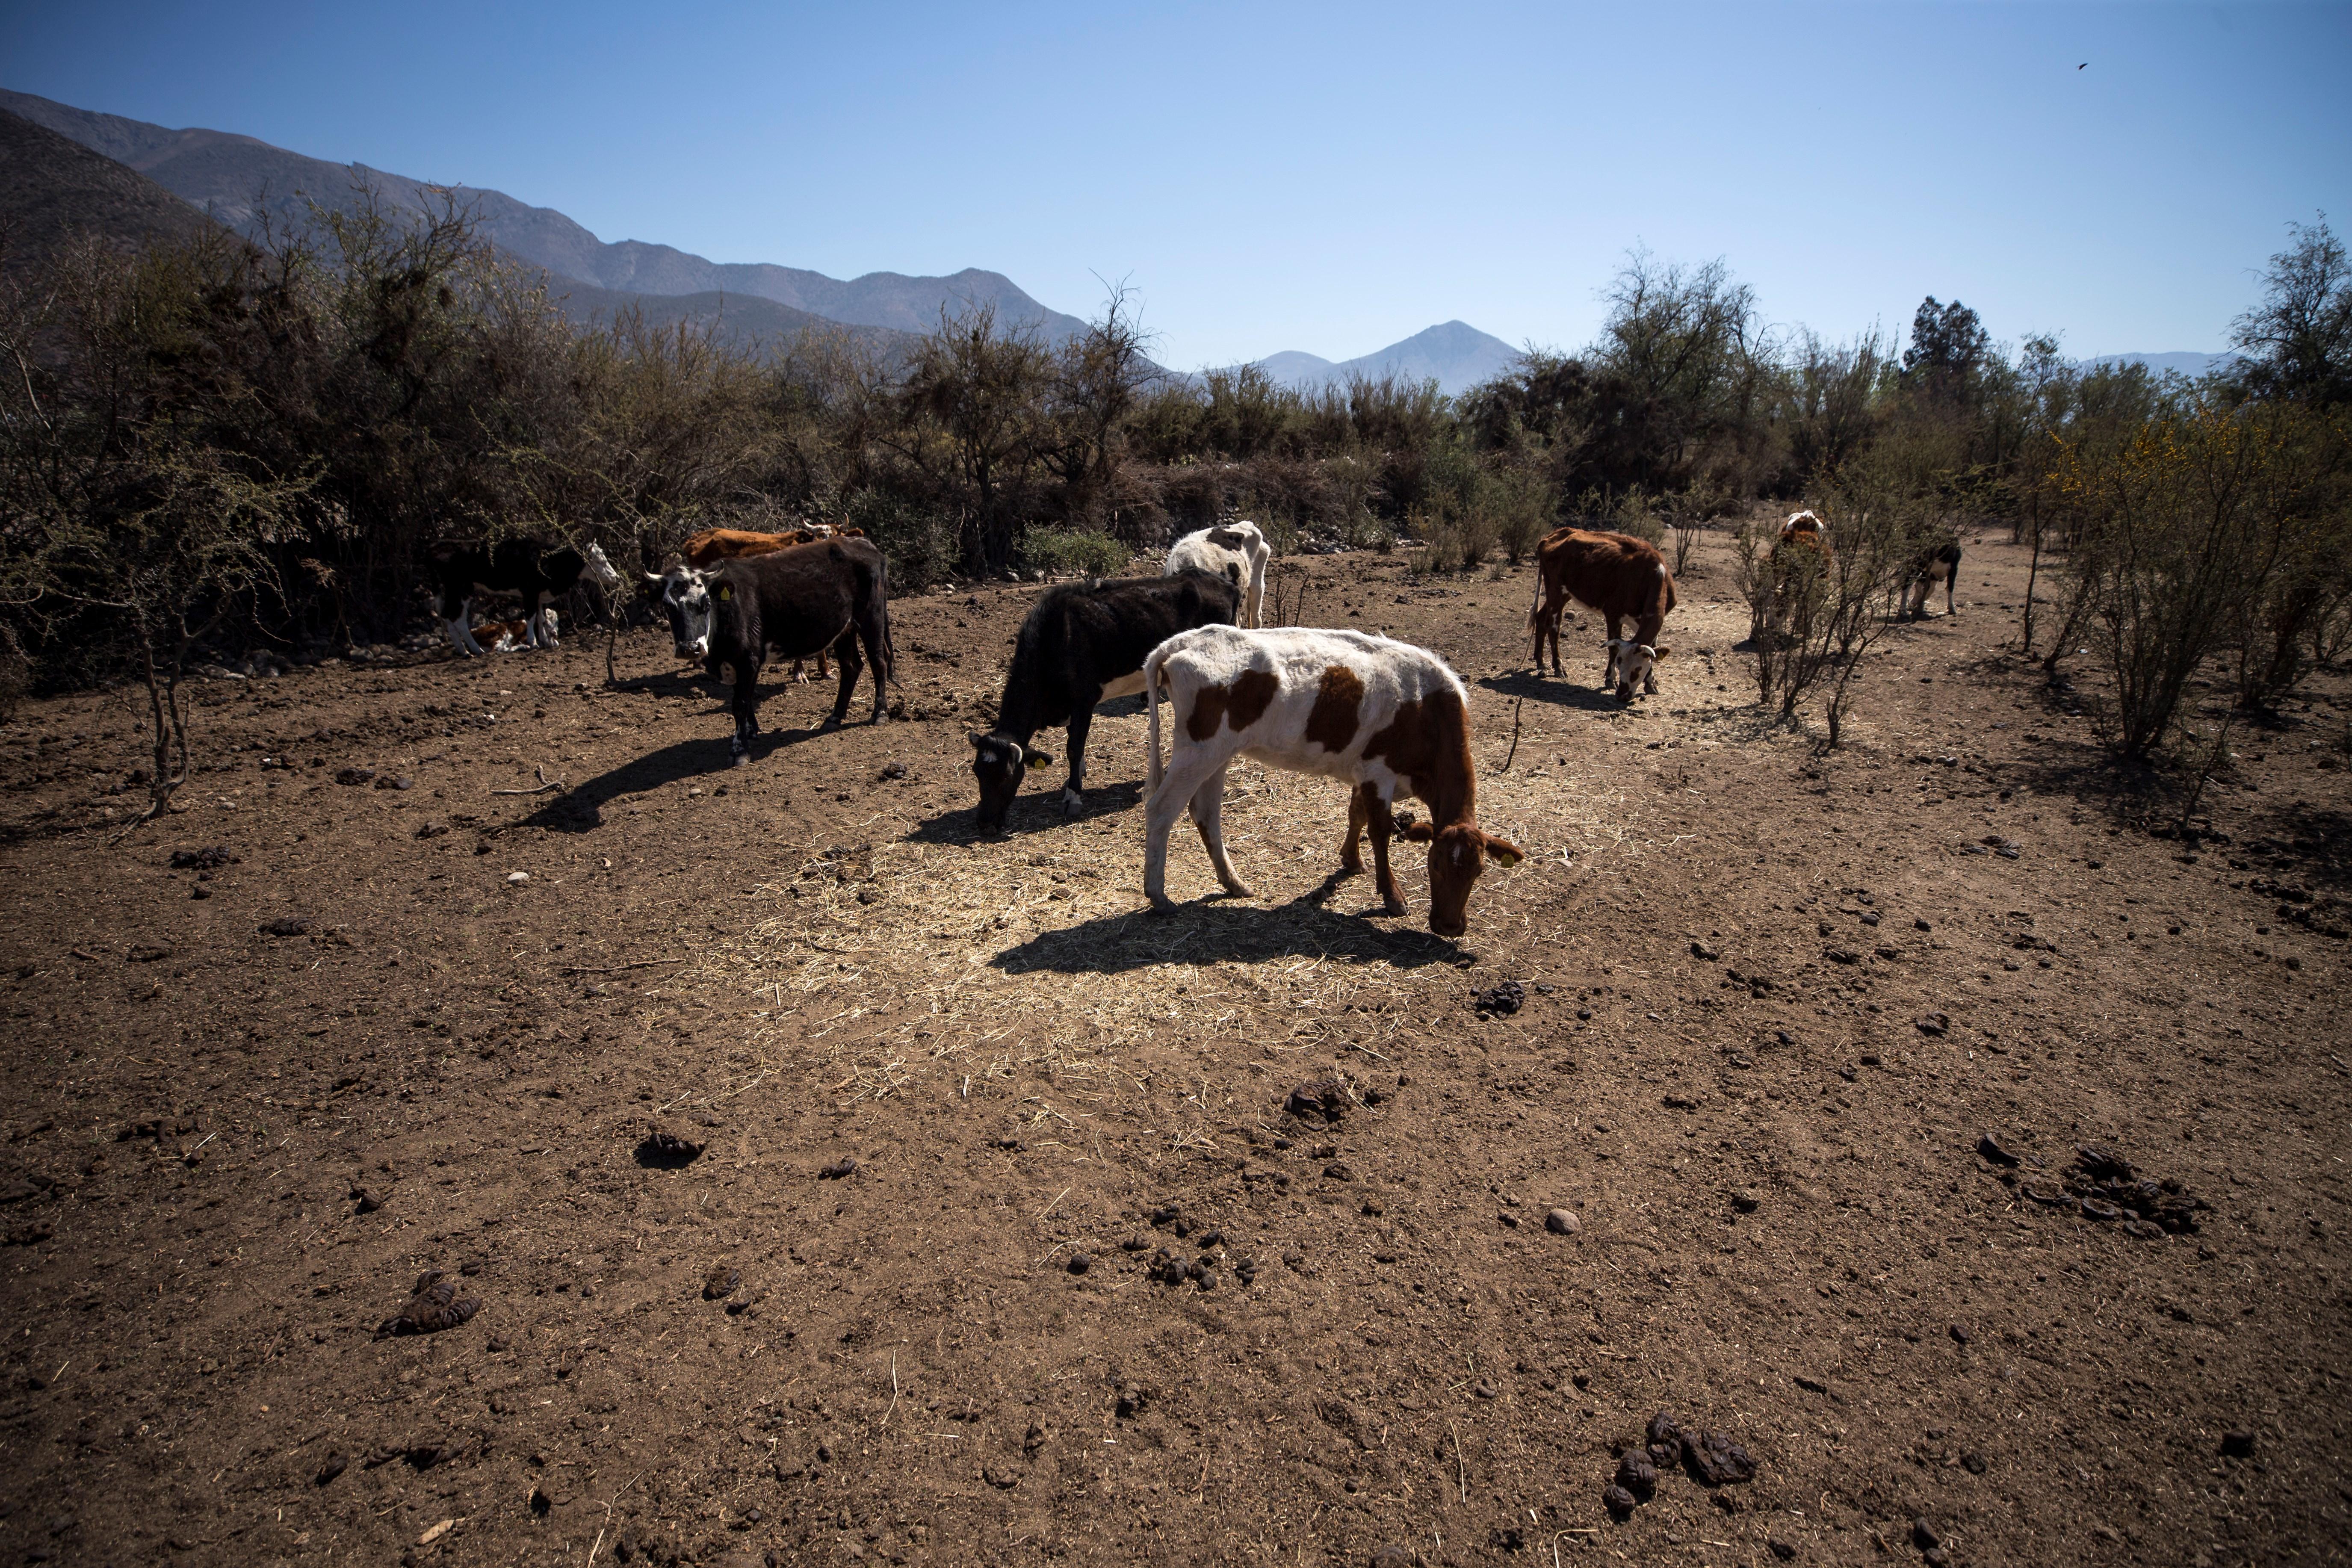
1383	716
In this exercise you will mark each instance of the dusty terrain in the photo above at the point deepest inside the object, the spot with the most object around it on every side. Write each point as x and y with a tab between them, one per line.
1773	1000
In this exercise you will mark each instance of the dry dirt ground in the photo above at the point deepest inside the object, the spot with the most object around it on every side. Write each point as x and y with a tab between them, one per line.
1773	999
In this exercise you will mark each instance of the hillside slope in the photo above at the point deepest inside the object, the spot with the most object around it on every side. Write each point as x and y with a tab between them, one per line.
52	188
240	179
1454	354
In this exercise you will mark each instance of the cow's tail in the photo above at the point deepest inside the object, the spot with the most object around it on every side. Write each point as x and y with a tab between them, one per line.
1151	706
1534	610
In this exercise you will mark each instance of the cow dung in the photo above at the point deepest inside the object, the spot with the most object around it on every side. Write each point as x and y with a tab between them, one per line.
432	1307
720	1282
844	1166
1637	1473
666	1149
1617	1499
1318	1100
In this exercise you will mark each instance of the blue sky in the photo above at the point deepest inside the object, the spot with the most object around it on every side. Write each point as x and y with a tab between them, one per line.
1332	178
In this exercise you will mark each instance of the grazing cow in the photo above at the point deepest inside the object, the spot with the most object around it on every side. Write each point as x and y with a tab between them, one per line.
706	550
1939	564
1622	577
1382	715
794	601
1236	552
1081	643
537	571
1799	569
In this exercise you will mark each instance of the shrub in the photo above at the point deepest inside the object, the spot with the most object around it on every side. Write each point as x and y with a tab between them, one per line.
1065	554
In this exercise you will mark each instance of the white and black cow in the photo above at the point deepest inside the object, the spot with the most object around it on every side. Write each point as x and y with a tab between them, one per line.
832	593
1083	642
536	572
1939	564
1383	716
1236	552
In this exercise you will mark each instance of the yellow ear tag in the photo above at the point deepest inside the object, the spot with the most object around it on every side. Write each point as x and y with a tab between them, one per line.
725	592
1506	859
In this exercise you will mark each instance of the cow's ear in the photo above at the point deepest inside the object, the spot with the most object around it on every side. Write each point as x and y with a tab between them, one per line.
1032	758
1412	830
976	738
1503	852
1660	652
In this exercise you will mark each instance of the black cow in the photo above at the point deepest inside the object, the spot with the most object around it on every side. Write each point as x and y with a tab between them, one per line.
537	571
1940	563
1084	642
832	593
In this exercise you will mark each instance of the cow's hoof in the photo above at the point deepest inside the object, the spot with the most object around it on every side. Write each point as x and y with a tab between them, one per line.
1073	803
832	722
1238	889
1163	906
1392	907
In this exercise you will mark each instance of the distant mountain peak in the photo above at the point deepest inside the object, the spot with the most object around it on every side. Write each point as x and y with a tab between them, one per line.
1454	354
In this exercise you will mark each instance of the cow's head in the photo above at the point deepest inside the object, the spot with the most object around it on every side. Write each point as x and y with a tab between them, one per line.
998	761
1637	665
686	599
601	569
1456	856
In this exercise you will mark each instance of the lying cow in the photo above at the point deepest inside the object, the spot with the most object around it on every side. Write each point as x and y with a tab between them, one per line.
1624	579
705	551
1940	564
1083	642
1236	552
511	637
537	572
795	601
1382	715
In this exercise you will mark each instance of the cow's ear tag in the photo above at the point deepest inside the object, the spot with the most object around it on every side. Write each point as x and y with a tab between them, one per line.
1504	855
1035	759
726	593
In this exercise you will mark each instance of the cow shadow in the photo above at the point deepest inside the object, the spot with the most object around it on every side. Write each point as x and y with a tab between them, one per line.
1560	691
1221	929
1039	813
581	809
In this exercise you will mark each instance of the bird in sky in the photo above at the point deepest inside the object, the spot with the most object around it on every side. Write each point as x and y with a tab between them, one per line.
2084	66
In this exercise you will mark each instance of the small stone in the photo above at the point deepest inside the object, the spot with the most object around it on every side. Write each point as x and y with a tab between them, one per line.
1701	950
2237	1445
517	878
844	1166
720	1282
1746	1201
1781	1549
1924	1536
1563	1222
1973	1462
1080	1262
1339	1172
1993	1148
1959	1335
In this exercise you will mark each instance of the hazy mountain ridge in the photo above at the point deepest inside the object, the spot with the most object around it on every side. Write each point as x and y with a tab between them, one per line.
1455	355
2173	362
240	179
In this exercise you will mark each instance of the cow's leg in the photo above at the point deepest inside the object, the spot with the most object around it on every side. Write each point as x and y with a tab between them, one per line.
800	674
1951	580
822	672
457	623
845	647
1186	770
1608	674
874	636
1383	829
1352	857
1558	609
1208	816
1082	720
746	705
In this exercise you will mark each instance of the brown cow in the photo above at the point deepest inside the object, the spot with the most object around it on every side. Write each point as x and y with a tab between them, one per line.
706	550
1383	716
1622	577
1800	571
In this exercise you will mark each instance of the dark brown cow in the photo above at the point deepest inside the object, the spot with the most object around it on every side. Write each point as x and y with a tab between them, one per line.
1622	578
1383	716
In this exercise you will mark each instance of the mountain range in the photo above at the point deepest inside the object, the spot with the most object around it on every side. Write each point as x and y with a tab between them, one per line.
247	184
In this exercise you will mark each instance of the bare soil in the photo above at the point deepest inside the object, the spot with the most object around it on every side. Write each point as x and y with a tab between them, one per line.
1774	997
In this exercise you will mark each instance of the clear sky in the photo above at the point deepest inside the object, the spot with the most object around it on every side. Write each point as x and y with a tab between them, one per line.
1330	177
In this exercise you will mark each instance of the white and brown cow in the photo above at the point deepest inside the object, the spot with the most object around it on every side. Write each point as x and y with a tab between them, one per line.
1382	715
1622	577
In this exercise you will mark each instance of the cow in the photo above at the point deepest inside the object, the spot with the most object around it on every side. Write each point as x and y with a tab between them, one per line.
1800	568
1236	552
795	601
1083	642
509	637
1938	564
1382	715
537	571
706	550
1622	577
